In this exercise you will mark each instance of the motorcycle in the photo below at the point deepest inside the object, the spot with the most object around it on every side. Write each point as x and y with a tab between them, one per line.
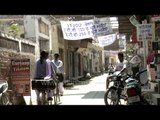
4	99
114	93
125	87
133	90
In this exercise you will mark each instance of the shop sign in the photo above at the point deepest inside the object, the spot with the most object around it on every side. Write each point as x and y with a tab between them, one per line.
155	18
145	32
20	76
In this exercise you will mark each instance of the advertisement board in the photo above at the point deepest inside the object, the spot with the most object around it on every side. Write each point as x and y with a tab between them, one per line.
20	76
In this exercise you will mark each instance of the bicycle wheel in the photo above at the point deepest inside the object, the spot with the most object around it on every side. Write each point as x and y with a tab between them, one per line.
111	96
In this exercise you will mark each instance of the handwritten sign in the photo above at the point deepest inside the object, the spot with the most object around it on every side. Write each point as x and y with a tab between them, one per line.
145	31
107	40
102	25
20	75
76	30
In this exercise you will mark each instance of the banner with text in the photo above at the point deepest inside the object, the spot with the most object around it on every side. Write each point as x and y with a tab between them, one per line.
107	40
20	76
76	30
102	26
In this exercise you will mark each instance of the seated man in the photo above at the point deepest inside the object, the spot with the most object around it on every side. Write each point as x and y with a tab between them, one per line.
121	64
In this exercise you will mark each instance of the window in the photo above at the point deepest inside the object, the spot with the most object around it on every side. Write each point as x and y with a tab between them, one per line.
43	27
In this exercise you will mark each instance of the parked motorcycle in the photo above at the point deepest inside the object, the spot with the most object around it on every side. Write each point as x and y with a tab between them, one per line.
133	90
4	100
114	92
125	87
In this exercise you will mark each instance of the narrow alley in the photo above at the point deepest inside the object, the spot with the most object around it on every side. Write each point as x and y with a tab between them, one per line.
91	93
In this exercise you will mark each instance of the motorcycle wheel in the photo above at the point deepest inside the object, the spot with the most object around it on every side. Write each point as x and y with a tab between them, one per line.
4	99
111	94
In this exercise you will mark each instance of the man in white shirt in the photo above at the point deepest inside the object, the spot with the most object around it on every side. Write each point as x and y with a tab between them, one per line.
57	66
121	64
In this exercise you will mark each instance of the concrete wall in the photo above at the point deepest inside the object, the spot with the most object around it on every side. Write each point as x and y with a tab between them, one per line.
7	53
31	25
55	39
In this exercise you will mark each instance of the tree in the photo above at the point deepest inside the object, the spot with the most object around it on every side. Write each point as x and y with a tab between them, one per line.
130	50
14	28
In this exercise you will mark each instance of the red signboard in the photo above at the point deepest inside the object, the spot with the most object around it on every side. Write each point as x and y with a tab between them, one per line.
20	76
155	17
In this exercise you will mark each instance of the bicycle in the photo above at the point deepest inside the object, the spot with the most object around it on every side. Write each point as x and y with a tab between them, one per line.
43	86
57	95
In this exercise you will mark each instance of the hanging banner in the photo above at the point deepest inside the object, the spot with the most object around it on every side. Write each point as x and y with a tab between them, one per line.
145	32
76	30
20	76
102	26
107	40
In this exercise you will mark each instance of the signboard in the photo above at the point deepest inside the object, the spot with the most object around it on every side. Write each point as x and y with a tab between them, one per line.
20	76
155	18
133	20
145	32
76	30
107	40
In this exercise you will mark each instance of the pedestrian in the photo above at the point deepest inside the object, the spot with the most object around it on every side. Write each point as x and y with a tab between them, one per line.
57	66
43	71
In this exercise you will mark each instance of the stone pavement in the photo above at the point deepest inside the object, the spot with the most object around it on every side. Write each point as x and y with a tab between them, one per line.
89	94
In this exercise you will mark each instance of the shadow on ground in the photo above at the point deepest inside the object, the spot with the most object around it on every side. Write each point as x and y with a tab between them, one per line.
94	95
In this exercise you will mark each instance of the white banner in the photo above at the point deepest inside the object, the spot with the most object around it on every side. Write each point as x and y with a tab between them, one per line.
107	40
102	26
145	31
76	30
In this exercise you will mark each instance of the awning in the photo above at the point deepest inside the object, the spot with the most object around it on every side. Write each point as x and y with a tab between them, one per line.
79	43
